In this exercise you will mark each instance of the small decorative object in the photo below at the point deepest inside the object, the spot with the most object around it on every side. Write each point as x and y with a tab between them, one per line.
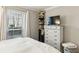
54	20
41	15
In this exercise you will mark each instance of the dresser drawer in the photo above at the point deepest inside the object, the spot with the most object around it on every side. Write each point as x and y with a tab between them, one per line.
56	40
56	45
47	27
54	37
46	37
51	27
47	41
46	30
54	31
55	27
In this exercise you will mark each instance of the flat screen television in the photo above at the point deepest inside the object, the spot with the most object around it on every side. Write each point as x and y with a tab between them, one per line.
54	20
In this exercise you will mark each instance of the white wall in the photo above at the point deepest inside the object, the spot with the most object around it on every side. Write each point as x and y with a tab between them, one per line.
70	21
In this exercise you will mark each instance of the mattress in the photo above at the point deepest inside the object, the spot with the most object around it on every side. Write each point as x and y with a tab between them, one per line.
25	45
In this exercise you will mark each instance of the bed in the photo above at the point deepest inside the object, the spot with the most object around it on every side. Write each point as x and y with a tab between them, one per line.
25	45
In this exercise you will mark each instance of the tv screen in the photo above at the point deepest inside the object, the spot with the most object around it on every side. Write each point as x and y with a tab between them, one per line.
54	20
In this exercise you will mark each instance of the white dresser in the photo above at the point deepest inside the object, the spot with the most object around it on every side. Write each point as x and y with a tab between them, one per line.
54	35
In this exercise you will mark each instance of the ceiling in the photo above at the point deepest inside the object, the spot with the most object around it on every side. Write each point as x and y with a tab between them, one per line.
36	8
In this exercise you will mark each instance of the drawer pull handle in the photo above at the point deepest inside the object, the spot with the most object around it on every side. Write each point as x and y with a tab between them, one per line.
55	31
46	34
55	43
55	35
55	47
55	39
46	40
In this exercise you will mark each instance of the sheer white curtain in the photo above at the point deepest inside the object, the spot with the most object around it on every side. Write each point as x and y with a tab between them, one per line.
3	25
26	31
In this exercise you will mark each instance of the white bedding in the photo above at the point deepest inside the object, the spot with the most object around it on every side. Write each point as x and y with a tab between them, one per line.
25	45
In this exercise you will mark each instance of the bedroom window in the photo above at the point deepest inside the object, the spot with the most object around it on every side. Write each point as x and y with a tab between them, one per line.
15	23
